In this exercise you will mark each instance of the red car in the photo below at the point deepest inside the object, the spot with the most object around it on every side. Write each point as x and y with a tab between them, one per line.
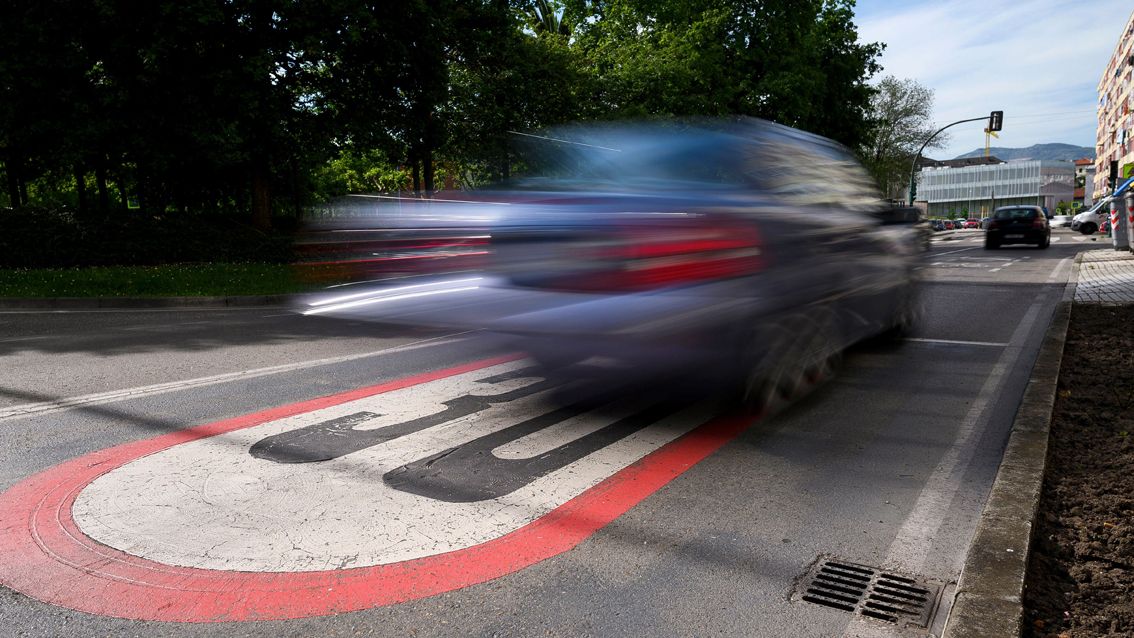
948	224
972	223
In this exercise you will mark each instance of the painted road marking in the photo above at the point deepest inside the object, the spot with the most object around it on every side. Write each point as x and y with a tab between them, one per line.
913	547
102	398
959	250
464	475
959	343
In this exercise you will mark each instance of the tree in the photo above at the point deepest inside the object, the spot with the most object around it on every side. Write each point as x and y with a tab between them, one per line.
796	62
900	113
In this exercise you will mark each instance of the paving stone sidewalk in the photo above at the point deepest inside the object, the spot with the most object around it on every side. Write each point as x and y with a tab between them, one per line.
1106	277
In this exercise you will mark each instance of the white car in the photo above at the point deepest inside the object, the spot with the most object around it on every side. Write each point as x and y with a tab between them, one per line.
1090	221
1061	221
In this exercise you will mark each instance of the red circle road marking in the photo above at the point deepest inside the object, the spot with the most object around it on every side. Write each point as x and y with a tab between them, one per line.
45	555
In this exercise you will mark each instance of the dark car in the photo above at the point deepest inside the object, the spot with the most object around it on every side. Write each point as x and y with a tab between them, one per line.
739	249
937	224
1018	225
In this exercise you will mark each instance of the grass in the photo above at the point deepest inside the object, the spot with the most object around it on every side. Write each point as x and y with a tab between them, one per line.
151	281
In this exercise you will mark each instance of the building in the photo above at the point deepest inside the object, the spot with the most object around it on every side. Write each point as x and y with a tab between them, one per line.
1084	182
1116	123
965	191
980	160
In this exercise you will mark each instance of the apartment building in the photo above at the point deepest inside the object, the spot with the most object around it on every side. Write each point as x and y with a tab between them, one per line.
1084	181
1116	123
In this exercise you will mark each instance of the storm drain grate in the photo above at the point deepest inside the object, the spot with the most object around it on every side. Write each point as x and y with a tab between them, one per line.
870	592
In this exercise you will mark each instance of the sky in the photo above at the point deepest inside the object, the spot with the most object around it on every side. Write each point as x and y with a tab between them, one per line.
1039	61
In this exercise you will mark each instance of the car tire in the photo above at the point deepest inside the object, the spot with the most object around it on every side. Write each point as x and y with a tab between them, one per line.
990	244
1088	228
552	360
806	354
1044	243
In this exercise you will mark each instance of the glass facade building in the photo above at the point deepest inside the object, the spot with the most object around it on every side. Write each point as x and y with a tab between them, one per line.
976	190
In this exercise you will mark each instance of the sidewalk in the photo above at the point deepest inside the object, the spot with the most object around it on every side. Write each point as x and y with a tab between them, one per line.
1105	277
989	596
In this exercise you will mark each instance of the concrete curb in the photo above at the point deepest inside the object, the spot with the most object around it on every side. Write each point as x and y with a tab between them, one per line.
989	596
93	303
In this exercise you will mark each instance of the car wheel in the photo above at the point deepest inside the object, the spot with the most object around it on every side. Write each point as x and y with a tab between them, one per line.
1088	228
990	244
552	360
805	354
1044	243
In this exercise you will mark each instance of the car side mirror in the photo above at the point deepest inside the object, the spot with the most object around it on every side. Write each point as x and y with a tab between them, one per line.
899	215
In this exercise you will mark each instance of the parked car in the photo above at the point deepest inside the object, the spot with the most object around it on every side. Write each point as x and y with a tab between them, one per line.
662	247
937	224
948	224
1090	221
1018	225
972	223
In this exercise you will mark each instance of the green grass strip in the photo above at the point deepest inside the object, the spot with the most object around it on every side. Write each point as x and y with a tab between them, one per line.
151	281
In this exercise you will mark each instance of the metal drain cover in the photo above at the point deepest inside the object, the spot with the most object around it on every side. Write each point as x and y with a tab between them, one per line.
868	591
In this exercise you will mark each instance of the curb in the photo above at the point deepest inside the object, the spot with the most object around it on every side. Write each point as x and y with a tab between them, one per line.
94	303
989	597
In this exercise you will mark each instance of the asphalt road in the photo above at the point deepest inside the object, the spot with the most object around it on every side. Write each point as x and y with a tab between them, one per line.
691	530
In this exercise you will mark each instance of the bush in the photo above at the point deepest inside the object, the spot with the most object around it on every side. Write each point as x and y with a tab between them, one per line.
32	237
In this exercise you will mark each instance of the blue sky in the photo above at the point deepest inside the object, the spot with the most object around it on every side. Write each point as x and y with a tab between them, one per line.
1039	61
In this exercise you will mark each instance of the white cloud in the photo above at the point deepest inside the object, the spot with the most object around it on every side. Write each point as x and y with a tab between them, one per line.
1040	61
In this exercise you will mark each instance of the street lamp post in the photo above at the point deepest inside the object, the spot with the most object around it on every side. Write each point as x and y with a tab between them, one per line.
913	166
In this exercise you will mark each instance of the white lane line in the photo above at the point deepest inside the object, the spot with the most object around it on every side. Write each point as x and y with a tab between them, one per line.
44	407
914	543
959	343
139	311
954	251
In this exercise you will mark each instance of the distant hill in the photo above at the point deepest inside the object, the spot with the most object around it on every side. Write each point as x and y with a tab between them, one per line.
1037	151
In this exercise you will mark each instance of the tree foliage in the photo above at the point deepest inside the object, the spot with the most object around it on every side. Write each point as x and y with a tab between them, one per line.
900	115
797	62
257	107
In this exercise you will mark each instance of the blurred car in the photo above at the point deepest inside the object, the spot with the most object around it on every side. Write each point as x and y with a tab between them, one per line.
972	223
681	246
937	224
948	224
1018	225
959	223
1061	221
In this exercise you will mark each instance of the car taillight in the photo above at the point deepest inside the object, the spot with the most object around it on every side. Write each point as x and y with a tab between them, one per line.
993	224
1039	223
654	257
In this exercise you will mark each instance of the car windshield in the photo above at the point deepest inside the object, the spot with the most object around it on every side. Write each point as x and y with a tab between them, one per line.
1016	213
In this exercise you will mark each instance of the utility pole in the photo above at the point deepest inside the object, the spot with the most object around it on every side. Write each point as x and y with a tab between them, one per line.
995	123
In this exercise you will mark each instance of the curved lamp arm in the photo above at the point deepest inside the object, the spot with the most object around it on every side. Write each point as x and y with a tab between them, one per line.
913	165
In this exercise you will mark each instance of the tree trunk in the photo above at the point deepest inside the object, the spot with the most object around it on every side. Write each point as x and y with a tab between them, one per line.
81	187
100	181
13	182
427	162
416	171
261	198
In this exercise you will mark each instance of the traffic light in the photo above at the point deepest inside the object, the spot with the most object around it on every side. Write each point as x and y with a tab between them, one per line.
996	121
